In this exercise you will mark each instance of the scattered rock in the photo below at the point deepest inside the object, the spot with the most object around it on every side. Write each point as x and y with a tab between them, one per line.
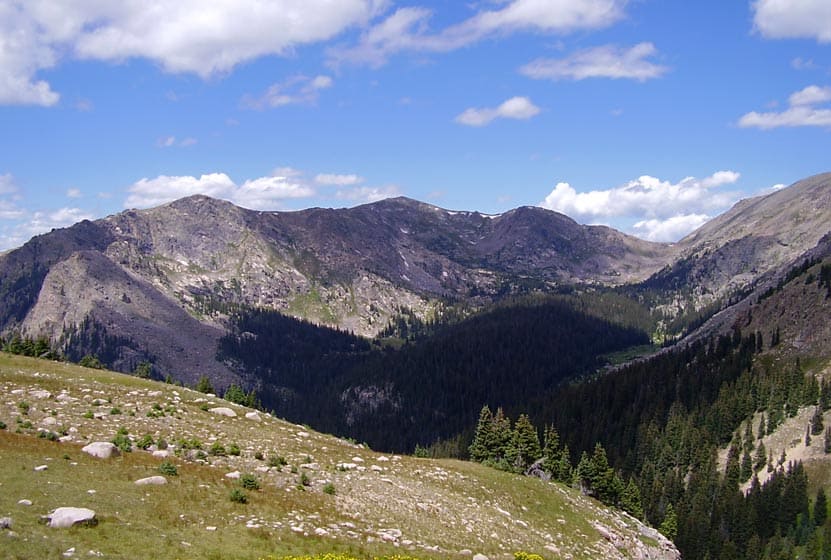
210	528
161	453
255	416
70	552
223	411
233	475
40	394
480	557
41	468
49	421
24	502
5	522
152	480
101	450
64	517
346	466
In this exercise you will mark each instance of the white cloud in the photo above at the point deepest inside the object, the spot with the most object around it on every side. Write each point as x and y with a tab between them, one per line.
811	95
407	29
520	108
338	180
191	36
73	193
659	208
42	222
368	194
295	90
802	111
263	193
607	61
671	229
800	63
152	192
170	141
793	19
7	184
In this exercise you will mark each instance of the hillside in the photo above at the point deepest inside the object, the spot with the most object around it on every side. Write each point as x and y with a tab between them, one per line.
330	495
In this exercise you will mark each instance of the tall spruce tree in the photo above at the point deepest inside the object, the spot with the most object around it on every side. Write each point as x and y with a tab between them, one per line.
526	443
483	446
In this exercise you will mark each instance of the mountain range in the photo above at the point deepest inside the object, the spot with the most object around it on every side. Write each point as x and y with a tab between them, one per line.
160	281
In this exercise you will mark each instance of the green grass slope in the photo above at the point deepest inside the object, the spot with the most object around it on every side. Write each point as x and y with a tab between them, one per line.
330	495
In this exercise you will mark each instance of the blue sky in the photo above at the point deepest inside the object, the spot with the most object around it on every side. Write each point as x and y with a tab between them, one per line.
648	115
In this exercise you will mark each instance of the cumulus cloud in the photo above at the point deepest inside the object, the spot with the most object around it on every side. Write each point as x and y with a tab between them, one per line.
803	110
264	193
73	193
661	210
407	29
793	19
520	108
366	194
671	229
338	180
190	36
608	61
295	90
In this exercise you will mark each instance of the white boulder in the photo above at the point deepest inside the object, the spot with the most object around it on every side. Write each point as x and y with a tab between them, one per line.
101	449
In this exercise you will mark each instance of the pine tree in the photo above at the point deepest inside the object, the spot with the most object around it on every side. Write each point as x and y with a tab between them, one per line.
669	526
761	457
762	430
481	448
820	508
827	446
503	437
526	442
808	436
204	385
816	421
746	466
630	500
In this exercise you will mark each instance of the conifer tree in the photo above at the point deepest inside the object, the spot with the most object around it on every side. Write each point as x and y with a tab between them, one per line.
827	446
761	431
630	500
669	526
820	508
503	437
483	440
761	456
816	422
526	442
808	436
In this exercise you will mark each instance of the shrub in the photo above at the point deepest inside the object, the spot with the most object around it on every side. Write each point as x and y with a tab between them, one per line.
144	441
234	450
162	443
2	425
190	443
238	496
259	455
122	442
329	489
51	436
168	469
89	415
23	407
304	479
277	461
217	449
115	410
522	555
249	482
